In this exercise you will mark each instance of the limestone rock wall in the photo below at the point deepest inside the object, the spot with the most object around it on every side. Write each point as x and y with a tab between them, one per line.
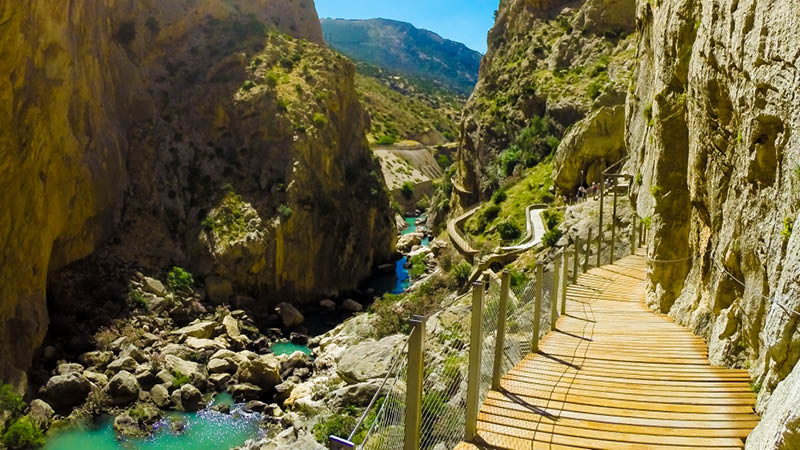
712	131
126	125
559	58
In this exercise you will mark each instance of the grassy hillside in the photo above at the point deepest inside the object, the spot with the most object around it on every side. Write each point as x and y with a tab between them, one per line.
502	219
404	108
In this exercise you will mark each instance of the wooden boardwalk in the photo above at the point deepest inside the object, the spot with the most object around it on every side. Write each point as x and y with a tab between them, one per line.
617	376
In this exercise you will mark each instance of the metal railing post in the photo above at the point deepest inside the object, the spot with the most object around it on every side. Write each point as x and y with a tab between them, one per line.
641	233
416	350
576	259
500	340
600	229
633	234
474	375
555	293
614	225
537	308
588	252
564	281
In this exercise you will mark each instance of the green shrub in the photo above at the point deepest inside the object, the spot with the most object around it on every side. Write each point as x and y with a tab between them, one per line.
499	197
518	279
509	159
595	88
23	434
180	378
461	272
418	266
179	280
655	190
550	239
508	230
433	404
443	161
407	190
788	226
10	401
320	120
337	425
491	212
137	299
647	221
639	179
285	211
386	140
453	368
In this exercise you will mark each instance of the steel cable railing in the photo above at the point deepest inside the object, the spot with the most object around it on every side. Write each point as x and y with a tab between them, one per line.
442	401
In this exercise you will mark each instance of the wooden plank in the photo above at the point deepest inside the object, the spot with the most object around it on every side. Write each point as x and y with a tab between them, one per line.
617	376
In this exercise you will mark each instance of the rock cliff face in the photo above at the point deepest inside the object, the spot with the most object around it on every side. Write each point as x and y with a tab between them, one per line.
712	133
217	135
710	124
557	58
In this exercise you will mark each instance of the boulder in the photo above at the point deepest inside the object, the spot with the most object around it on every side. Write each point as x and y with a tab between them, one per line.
368	360
284	390
153	286
176	350
328	305
203	344
41	413
220	380
126	426
407	241
263	371
97	359
123	388
97	378
66	391
295	360
351	305
124	363
66	368
358	394
218	290
191	399
231	326
160	396
134	352
193	370
245	391
201	330
255	406
290	316
221	366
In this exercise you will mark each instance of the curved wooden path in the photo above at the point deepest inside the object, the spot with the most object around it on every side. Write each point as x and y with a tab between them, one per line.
615	375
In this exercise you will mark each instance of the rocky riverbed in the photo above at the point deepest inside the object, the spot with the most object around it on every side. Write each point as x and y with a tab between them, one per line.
178	349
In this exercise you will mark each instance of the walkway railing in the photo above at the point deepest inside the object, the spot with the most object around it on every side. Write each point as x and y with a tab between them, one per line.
457	355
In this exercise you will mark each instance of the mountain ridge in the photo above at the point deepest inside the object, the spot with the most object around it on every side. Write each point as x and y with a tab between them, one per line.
403	47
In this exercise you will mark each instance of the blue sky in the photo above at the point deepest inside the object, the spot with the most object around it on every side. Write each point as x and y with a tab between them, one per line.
466	21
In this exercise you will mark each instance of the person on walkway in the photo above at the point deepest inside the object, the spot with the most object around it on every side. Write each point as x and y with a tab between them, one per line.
594	190
581	194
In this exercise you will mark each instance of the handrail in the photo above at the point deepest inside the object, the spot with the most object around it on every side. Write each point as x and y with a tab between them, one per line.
492	337
624	158
456	236
459	187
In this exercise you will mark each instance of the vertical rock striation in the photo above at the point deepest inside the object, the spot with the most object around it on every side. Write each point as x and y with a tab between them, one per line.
217	135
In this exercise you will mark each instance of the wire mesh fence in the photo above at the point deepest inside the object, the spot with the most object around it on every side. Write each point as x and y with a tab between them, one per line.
446	354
